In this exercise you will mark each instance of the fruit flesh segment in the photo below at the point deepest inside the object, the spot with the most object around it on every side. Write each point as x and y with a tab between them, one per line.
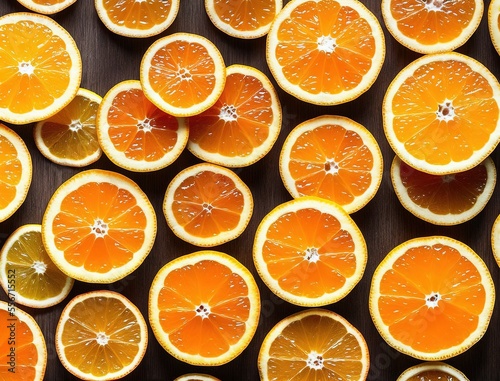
448	194
35	67
325	47
444	112
433	21
204	308
139	129
309	253
431	298
10	172
238	122
140	15
207	204
100	226
182	73
331	162
433	375
101	336
246	15
314	348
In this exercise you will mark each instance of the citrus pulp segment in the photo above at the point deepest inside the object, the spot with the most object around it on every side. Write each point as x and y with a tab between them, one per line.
432	371
431	298
325	52
243	124
101	335
69	137
332	157
444	199
247	19
309	251
441	113
98	226
47	7
314	344
432	26
40	67
27	271
15	172
183	74
204	307
207	205
134	133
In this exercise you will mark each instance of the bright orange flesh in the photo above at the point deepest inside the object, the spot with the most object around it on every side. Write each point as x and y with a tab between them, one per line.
318	154
432	22
10	172
421	274
336	71
207	204
432	89
142	15
433	375
289	256
88	209
246	15
238	122
139	129
188	293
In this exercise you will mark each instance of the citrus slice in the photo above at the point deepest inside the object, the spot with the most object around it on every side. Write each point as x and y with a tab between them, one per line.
494	23
183	74
207	205
40	68
432	371
139	19
309	251
244	123
325	52
47	7
332	157
196	377
69	137
444	199
98	226
315	344
101	335
248	19
441	113
204	307
136	135
432	298
23	350
432	26
28	273
15	172
495	239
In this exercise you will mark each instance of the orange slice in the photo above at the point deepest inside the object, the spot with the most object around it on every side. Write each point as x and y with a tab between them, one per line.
204	307
15	172
98	226
69	137
101	335
207	205
432	371
495	239
325	52
314	344
27	271
40	68
248	19
494	23
432	26
47	7
332	157
23	350
309	251
444	199
432	298
244	123
196	377
136	135
183	74
441	113
132	18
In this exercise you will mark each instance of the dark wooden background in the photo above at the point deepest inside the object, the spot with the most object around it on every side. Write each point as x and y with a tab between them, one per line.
109	59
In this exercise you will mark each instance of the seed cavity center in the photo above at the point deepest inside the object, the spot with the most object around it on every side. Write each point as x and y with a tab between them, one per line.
445	111
327	44
315	361
145	125
26	68
432	300
100	229
75	125
102	338
434	5
203	310
39	267
311	255
228	113
184	74
331	167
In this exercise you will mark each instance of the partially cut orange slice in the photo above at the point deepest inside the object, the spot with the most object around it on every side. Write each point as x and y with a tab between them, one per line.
432	371
47	7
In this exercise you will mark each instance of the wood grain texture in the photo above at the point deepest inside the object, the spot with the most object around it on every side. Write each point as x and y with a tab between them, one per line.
109	59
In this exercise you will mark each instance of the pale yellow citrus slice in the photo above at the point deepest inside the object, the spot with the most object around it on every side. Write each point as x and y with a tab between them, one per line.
47	7
432	371
495	239
196	377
